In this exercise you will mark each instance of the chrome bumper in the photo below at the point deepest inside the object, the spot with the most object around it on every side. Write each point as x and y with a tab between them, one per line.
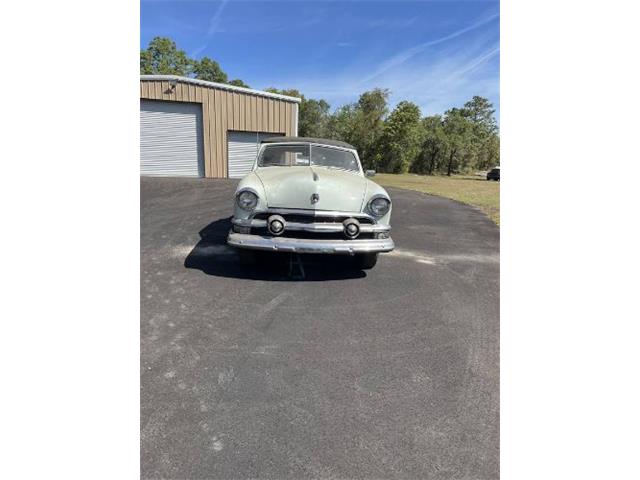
283	244
337	227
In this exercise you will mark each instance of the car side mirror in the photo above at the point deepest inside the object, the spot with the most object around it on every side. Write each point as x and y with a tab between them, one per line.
369	173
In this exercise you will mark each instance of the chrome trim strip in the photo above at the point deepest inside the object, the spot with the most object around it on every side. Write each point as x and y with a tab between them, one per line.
283	244
312	227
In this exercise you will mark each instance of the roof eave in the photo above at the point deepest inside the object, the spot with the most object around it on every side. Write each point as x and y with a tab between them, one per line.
220	86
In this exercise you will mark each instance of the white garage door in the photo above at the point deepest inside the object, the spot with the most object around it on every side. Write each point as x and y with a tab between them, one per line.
171	139
243	148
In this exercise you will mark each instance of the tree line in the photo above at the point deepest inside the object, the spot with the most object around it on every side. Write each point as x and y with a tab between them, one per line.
162	57
461	140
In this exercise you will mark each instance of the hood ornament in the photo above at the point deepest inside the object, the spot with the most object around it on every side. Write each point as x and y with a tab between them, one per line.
315	198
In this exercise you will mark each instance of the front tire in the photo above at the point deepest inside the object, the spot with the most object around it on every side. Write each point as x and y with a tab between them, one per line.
366	261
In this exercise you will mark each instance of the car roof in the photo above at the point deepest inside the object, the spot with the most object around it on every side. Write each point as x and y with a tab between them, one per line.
322	141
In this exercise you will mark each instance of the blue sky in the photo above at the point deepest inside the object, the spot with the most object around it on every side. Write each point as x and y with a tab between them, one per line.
437	54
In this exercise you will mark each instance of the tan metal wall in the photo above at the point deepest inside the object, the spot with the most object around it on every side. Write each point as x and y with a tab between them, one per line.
224	110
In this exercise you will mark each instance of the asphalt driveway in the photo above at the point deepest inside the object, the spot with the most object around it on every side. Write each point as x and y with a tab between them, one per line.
340	373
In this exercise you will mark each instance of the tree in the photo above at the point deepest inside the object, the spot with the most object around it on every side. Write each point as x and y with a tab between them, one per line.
361	124
342	124
481	113
484	147
313	115
162	57
458	130
238	83
434	146
371	111
490	153
209	70
400	142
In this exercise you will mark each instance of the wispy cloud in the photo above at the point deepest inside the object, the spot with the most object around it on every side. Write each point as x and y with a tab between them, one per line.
436	55
435	82
214	22
390	23
475	63
215	19
449	81
402	57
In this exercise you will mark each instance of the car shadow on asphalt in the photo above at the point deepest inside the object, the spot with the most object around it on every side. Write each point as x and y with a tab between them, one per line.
214	257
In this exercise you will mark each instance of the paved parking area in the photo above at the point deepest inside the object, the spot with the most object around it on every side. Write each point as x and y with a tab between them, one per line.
249	373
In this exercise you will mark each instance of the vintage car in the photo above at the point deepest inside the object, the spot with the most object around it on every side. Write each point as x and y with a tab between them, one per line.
310	195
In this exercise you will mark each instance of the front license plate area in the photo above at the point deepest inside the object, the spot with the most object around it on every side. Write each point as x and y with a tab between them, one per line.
315	250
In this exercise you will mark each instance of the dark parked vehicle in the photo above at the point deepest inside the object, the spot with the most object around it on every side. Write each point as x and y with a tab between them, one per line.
494	174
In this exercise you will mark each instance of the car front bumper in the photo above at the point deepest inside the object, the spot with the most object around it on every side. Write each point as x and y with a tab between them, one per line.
297	245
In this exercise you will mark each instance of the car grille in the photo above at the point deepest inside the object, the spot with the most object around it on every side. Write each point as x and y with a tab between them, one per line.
316	218
262	231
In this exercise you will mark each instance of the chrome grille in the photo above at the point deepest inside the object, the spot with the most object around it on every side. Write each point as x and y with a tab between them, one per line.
316	217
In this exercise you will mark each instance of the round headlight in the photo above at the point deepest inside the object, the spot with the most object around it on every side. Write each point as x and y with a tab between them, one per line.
247	200
379	206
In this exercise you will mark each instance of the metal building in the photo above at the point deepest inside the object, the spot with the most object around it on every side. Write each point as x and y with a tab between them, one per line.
194	128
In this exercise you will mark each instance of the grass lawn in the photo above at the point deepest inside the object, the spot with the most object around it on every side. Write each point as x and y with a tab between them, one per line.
468	189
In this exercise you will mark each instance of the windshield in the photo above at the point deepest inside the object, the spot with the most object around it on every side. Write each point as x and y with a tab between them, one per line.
298	155
332	157
284	156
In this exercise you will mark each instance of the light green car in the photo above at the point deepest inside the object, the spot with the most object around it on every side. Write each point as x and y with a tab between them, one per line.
310	195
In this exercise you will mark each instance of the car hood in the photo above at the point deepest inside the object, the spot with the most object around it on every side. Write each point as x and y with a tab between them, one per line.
293	187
